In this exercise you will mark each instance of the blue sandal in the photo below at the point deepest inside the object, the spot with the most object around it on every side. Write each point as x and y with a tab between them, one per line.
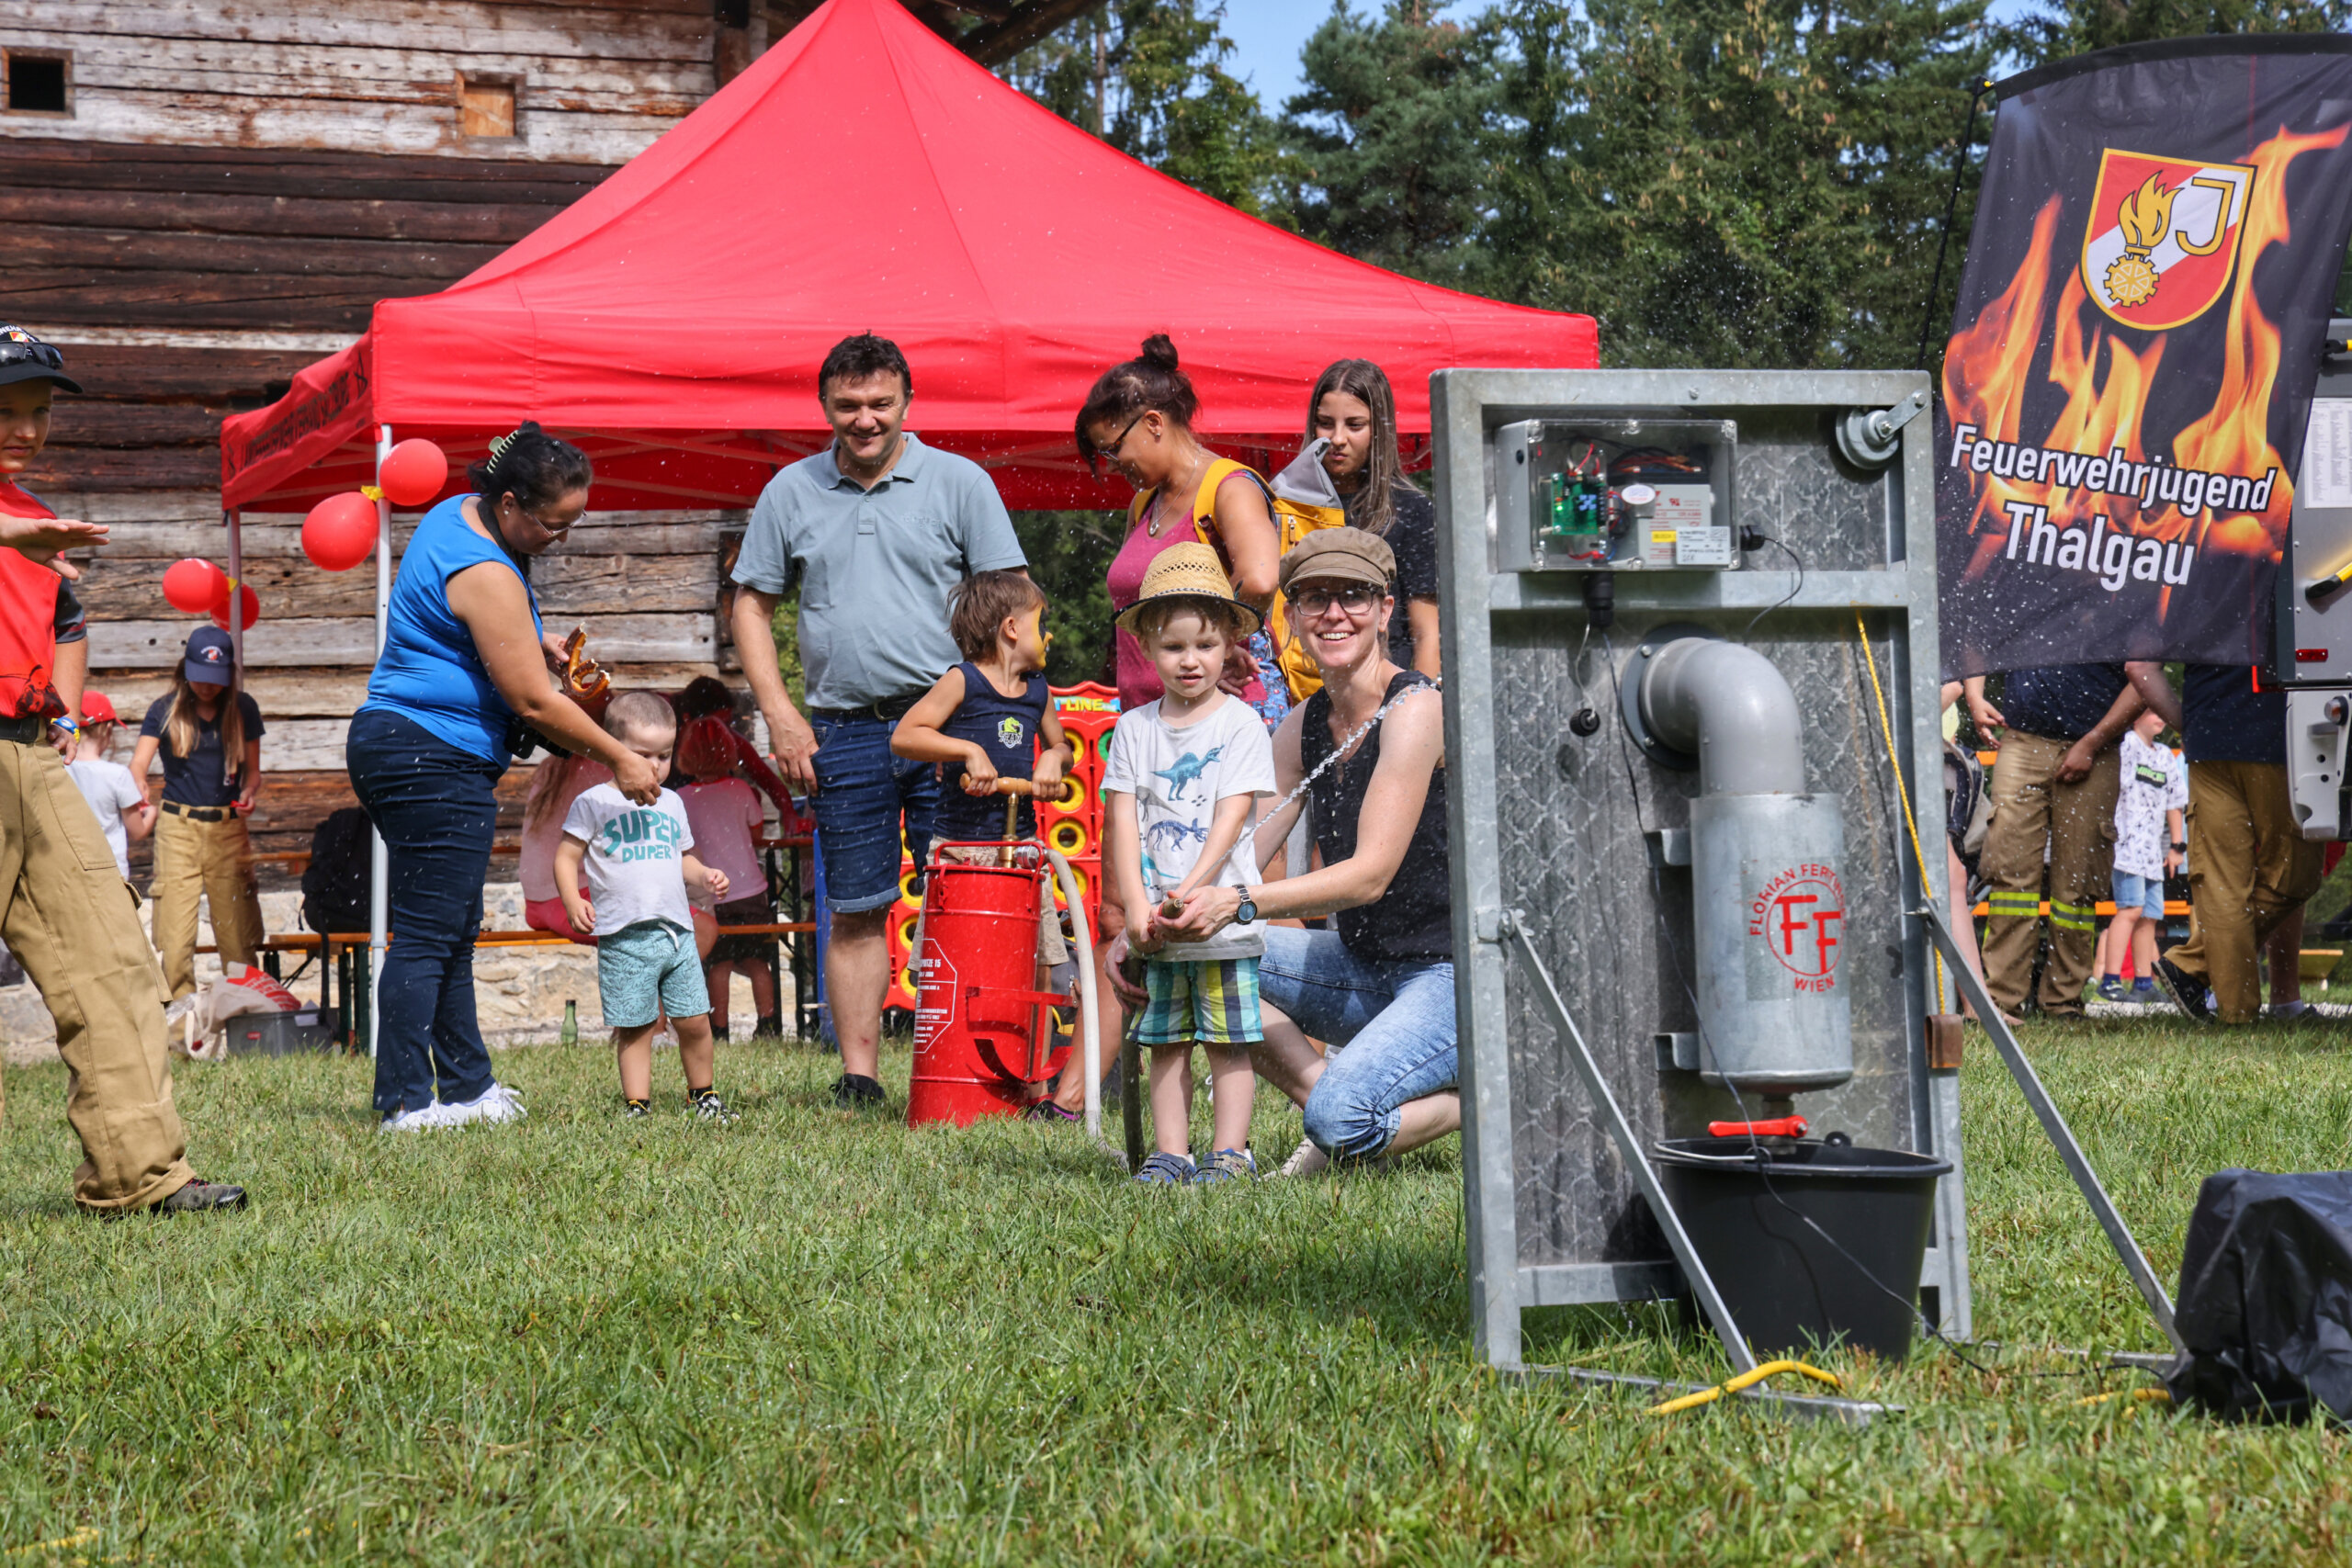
1166	1170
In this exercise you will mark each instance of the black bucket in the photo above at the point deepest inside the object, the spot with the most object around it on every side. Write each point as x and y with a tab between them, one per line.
1789	1288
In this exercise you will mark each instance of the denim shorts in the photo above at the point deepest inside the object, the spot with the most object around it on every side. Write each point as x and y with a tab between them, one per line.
2145	894
648	969
866	800
1394	1017
1211	1000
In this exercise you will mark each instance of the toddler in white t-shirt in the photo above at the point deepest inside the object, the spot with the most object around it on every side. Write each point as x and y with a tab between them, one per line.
639	860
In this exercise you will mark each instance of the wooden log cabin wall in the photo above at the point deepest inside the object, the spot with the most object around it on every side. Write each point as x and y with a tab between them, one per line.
203	195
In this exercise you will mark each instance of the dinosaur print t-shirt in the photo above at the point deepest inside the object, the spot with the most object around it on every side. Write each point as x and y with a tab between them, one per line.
1177	777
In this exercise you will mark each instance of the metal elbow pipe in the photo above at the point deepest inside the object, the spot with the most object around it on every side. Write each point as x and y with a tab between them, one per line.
1730	708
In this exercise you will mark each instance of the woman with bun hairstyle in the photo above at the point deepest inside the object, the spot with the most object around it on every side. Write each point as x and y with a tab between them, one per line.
463	682
1139	418
1354	409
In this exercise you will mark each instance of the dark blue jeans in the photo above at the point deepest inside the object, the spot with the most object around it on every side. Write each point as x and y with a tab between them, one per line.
866	800
436	808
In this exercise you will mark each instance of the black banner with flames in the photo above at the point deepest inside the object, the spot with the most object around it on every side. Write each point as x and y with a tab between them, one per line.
2132	361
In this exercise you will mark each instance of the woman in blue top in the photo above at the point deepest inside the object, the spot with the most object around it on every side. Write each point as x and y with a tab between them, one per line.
466	668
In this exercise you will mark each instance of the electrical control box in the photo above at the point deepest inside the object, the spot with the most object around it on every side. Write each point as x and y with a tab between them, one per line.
1615	495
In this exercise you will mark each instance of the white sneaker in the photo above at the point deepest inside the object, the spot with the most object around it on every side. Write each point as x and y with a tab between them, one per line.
1305	1160
495	1104
422	1120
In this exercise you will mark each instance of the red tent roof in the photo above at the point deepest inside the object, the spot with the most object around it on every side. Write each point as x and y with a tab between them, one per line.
864	175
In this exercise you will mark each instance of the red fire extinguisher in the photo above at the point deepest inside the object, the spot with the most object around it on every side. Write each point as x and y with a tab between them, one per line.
983	1029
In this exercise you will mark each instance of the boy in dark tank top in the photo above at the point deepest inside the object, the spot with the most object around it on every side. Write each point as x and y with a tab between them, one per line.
984	720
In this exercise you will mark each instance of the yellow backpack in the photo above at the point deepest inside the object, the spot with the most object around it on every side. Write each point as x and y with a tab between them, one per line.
1304	502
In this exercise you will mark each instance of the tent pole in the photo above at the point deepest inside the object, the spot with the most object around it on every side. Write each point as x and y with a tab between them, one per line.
378	859
236	595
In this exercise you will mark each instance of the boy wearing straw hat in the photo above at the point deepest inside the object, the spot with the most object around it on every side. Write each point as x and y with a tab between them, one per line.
1180	786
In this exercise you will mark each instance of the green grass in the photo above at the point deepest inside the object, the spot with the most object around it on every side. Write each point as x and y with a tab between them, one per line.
812	1338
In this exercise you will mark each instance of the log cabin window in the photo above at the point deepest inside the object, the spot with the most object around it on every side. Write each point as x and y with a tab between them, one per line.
485	106
37	84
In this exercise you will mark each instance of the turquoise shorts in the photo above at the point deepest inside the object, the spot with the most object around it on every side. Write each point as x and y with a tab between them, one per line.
648	969
1211	1000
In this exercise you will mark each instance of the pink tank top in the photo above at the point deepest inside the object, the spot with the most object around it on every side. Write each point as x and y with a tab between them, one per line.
1138	677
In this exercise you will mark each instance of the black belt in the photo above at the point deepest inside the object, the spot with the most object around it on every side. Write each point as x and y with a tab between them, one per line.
889	710
31	730
198	813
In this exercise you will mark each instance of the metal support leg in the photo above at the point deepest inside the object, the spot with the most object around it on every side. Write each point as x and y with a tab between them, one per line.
2053	1127
1694	1272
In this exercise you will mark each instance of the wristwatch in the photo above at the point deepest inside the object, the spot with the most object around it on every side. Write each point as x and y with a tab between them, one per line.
1248	910
2181	845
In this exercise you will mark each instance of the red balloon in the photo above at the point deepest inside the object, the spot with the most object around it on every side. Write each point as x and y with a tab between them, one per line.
190	586
412	473
339	533
248	604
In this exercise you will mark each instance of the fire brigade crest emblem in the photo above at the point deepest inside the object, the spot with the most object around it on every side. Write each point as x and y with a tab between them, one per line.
2162	242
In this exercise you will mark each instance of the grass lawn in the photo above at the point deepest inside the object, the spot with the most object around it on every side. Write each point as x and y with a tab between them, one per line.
811	1338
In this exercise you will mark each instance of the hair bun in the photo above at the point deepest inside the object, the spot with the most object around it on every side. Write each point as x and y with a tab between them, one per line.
1159	352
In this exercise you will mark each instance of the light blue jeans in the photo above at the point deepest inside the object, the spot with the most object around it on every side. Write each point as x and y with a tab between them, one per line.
1395	1019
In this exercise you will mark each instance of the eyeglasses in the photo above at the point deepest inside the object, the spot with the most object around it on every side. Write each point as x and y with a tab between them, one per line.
1355	600
1111	451
16	351
558	529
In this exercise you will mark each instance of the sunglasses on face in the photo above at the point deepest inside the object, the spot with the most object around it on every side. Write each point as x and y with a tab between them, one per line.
1355	601
1111	451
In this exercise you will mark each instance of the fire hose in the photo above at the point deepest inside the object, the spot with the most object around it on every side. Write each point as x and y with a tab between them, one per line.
1082	945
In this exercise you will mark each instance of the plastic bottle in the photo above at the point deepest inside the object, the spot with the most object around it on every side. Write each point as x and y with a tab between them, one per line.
571	1035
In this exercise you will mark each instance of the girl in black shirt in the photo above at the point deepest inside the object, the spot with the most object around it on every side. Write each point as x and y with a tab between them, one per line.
1353	408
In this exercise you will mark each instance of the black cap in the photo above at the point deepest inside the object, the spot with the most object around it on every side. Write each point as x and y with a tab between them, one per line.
24	357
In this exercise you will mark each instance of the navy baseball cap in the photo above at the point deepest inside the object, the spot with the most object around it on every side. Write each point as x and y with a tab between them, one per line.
210	656
24	357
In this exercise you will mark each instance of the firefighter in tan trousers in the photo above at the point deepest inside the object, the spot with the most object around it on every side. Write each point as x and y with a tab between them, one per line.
2054	791
2249	866
66	910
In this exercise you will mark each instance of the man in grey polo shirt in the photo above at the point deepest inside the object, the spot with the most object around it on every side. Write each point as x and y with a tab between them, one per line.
873	530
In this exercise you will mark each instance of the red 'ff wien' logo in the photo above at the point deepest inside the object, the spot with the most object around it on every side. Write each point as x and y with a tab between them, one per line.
1797	916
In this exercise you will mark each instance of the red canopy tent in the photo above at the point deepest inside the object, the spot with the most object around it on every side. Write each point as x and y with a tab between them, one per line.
863	174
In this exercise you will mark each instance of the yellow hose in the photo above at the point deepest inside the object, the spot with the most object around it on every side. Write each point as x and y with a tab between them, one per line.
1745	1380
1902	791
2136	1395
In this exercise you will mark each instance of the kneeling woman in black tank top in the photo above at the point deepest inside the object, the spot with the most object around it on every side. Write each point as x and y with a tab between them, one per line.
1382	985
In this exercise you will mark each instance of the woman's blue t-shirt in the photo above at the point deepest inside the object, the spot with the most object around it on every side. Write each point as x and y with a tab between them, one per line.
429	672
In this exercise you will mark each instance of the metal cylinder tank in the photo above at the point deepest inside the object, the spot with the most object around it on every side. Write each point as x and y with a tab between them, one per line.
1768	911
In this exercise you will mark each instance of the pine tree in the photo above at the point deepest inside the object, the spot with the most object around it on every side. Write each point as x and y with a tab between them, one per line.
1148	77
2051	32
1730	182
1389	140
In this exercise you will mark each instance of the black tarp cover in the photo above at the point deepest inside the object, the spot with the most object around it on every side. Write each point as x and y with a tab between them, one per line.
2265	1296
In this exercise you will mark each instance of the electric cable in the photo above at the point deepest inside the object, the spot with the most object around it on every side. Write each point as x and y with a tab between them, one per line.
1783	546
1952	210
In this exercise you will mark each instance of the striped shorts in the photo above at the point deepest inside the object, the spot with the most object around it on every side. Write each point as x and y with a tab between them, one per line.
1211	1000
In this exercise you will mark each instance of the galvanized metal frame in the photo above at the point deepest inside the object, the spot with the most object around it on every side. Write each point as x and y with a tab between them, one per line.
1896	597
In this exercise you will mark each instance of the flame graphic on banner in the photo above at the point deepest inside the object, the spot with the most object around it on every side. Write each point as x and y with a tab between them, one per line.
1988	367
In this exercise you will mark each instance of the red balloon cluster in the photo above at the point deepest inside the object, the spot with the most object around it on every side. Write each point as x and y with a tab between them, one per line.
248	605
340	532
191	586
412	473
